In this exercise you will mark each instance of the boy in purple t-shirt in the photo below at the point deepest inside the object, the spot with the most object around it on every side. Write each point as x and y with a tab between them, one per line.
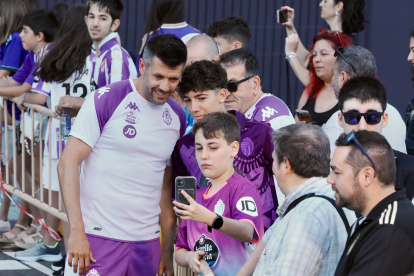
225	218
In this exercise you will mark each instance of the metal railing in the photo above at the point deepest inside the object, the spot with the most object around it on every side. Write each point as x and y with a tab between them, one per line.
38	201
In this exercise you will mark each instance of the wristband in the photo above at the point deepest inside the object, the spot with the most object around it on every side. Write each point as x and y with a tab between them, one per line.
291	55
24	98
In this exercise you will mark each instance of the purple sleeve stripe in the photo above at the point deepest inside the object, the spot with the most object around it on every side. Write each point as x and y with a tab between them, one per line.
180	113
108	98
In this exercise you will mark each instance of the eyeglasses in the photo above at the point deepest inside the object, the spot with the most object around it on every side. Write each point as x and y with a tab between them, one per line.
233	85
351	137
353	117
338	52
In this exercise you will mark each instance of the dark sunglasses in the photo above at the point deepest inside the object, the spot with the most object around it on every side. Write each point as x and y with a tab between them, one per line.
338	52
353	117
351	137
233	85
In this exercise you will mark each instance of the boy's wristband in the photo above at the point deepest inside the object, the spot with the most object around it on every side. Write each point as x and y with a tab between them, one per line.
24	98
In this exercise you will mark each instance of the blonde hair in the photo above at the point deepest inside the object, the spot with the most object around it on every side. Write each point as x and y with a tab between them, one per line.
12	13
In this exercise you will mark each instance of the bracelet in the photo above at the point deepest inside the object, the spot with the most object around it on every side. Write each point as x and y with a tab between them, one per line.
24	98
291	55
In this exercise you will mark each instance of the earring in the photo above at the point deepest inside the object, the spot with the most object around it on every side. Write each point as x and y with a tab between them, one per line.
336	13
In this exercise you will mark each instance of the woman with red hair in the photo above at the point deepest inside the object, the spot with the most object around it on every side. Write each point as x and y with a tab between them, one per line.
318	97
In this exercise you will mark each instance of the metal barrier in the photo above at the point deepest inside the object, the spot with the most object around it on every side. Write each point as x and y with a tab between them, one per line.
38	201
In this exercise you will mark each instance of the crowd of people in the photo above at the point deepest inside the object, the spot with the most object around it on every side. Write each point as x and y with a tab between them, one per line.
181	154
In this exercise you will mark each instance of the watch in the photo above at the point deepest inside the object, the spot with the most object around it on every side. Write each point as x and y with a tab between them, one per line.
217	223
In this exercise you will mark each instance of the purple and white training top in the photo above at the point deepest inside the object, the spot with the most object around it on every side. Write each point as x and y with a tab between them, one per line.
181	30
121	178
77	85
112	65
271	109
254	159
235	199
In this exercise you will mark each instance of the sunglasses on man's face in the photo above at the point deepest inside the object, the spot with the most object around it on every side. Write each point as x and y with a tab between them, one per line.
338	52
371	118
233	85
351	138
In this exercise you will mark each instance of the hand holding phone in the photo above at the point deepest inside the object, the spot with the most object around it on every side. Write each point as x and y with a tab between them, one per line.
304	116
187	184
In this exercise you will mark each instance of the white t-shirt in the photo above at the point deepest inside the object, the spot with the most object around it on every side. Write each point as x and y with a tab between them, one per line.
394	132
121	178
76	86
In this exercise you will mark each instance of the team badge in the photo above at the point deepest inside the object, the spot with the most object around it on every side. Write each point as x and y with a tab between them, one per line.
129	131
210	247
93	272
219	207
166	117
103	66
247	205
131	118
247	146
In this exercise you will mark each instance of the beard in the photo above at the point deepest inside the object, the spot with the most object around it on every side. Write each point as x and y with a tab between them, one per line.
150	93
335	88
354	201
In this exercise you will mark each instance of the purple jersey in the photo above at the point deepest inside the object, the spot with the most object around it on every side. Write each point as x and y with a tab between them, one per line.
112	65
271	109
254	160
24	71
181	30
12	53
235	199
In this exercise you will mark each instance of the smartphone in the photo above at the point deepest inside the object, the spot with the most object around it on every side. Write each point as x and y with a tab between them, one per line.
282	16
303	115
187	184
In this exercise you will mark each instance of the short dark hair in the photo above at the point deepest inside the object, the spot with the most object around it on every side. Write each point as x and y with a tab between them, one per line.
305	146
361	58
42	21
201	76
242	56
378	149
168	48
215	122
364	89
231	29
113	7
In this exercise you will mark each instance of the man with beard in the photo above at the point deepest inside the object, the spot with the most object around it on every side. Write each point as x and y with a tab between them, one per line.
123	137
381	241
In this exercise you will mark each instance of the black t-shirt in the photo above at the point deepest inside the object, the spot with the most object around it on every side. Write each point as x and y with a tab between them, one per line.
383	244
405	173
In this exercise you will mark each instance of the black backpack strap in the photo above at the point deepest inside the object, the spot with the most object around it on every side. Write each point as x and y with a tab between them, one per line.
338	209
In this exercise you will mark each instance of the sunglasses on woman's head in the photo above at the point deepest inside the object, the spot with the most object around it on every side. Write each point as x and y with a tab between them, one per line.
233	85
371	118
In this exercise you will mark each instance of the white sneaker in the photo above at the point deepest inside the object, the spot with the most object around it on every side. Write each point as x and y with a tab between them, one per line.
4	226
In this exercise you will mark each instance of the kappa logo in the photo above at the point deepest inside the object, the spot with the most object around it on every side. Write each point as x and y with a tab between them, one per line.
129	131
116	72
268	112
247	205
102	91
93	272
219	207
116	58
132	106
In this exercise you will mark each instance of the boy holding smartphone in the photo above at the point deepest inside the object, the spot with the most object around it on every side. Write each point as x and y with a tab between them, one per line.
225	217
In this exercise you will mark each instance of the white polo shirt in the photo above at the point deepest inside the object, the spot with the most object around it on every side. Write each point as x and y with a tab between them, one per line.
121	178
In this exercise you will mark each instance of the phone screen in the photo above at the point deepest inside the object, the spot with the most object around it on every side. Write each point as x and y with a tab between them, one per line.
282	16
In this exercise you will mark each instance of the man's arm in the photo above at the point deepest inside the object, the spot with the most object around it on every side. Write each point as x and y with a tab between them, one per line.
79	250
249	266
168	221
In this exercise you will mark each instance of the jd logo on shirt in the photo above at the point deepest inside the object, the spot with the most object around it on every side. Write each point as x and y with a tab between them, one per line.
129	131
247	205
210	247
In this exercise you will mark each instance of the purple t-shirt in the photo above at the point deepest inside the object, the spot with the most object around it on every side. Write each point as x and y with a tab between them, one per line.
254	159
236	199
24	71
12	53
183	31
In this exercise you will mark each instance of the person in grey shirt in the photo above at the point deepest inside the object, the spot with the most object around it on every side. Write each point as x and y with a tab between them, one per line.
309	236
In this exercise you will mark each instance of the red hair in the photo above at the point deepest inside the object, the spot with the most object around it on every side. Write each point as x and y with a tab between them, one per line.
337	39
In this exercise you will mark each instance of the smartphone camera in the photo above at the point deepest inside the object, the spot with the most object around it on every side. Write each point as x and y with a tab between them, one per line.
180	182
